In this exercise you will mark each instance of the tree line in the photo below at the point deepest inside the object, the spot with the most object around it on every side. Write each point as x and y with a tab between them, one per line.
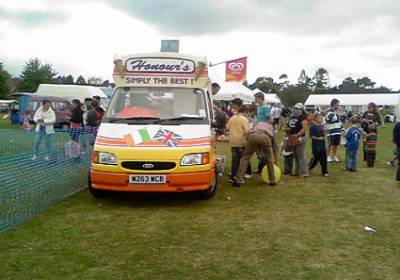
34	73
319	83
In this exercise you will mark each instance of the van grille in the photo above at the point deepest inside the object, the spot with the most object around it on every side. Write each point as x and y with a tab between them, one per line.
148	165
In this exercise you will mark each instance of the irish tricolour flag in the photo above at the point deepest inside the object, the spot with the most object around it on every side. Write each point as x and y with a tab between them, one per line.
137	137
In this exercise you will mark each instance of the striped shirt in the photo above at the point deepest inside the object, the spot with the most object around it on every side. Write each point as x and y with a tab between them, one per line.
370	142
333	123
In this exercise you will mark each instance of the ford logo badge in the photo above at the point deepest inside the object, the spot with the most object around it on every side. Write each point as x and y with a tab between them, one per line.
148	166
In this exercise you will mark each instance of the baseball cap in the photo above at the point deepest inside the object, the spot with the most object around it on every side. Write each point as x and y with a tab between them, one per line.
299	106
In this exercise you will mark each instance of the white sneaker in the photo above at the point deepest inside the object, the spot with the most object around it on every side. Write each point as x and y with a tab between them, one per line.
247	176
336	159
34	158
330	159
46	158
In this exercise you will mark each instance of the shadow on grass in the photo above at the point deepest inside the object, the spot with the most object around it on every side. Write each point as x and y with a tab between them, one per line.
149	200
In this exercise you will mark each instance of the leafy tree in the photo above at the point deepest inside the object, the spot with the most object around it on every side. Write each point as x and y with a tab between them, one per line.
5	81
365	83
283	81
320	81
95	81
34	74
304	79
81	80
106	83
69	80
294	94
265	84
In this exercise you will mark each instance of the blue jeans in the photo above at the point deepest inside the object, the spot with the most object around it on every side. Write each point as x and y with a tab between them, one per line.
351	159
38	140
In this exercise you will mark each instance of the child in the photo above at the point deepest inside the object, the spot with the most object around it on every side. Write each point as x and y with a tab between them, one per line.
238	127
370	145
318	136
287	156
26	121
353	139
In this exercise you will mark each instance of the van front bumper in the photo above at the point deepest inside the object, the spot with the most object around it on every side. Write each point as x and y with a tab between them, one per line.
176	182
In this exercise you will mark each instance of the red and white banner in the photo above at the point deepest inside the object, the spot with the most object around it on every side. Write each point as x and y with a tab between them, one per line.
236	70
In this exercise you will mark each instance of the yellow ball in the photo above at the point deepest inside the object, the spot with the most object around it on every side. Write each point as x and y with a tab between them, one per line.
265	176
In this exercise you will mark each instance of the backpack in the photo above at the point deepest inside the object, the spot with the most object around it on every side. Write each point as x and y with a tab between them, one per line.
91	118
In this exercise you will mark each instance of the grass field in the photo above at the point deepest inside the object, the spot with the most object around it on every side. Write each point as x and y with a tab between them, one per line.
6	123
303	229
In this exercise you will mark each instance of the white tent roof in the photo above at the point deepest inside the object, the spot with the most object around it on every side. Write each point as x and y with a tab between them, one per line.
381	99
232	90
70	91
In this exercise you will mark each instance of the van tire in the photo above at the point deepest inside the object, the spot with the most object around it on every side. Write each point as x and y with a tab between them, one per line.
94	192
207	194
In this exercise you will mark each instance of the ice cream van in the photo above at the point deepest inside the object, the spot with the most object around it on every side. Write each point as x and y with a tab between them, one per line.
156	135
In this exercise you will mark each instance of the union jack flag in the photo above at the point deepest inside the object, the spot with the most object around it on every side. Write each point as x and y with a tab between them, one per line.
168	137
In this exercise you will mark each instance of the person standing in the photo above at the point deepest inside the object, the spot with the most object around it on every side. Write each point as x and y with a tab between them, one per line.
263	114
396	141
318	138
260	139
276	114
76	121
371	116
287	152
297	128
353	139
44	119
334	126
238	127
220	120
370	145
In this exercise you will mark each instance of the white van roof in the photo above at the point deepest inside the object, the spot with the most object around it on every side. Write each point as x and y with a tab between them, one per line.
70	91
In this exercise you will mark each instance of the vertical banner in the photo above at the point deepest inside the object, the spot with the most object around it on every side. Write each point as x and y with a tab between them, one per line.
236	70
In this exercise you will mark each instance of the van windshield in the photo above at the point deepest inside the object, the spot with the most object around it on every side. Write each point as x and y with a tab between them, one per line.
158	105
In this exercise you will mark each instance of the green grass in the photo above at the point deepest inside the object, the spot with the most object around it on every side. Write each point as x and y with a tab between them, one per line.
6	123
303	229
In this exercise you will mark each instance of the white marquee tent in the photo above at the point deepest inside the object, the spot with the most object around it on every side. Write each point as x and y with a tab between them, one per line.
358	102
232	90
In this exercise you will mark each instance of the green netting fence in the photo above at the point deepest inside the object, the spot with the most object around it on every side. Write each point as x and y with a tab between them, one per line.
30	184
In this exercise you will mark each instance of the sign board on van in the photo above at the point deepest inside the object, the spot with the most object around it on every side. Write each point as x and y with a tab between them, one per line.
170	46
160	65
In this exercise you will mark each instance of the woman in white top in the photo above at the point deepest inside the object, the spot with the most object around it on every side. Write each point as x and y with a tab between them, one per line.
44	119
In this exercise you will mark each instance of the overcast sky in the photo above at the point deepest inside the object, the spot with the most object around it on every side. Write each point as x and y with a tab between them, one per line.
348	37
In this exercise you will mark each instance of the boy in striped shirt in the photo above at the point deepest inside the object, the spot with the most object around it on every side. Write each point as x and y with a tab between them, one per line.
370	145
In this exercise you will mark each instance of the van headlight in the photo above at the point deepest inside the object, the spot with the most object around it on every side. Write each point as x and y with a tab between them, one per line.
105	158
195	159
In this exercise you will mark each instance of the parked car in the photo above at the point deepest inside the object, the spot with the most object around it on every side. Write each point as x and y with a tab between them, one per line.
31	102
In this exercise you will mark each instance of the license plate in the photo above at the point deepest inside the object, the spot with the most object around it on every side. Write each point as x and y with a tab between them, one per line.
147	179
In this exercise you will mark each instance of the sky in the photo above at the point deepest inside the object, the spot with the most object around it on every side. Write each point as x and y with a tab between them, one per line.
80	37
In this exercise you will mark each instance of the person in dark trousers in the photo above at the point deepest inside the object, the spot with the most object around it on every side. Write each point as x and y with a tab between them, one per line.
288	157
396	141
238	127
334	126
371	116
76	121
353	140
318	138
370	145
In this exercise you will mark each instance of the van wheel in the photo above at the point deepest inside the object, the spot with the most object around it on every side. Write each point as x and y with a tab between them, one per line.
96	193
207	194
